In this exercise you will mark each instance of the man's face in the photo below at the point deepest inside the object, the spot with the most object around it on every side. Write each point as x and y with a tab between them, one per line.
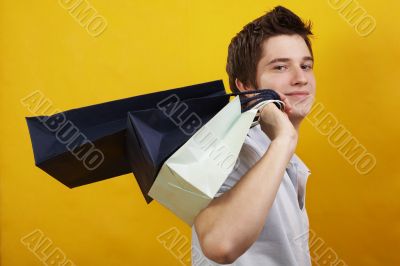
286	66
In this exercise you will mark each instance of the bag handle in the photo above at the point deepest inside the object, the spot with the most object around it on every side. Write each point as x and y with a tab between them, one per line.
262	98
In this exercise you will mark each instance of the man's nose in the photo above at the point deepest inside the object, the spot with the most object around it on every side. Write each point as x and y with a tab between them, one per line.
299	77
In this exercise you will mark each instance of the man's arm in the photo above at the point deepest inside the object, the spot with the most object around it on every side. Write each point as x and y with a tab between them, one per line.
230	224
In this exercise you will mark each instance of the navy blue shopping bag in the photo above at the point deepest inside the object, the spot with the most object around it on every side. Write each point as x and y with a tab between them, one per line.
85	145
153	135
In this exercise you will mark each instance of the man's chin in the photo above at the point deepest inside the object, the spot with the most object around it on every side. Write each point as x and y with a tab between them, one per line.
298	114
301	108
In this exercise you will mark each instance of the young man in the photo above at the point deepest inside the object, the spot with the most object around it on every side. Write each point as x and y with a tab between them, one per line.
258	217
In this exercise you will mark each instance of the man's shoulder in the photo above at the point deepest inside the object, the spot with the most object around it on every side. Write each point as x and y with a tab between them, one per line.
257	140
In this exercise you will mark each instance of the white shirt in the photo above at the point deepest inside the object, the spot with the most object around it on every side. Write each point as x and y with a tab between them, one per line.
284	238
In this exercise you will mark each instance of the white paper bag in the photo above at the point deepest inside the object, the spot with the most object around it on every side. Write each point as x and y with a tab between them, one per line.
191	177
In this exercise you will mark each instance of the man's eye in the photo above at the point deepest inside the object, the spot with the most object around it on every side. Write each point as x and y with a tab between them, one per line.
307	67
280	67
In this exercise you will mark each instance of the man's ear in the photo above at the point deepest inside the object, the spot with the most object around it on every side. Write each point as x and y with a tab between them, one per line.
243	87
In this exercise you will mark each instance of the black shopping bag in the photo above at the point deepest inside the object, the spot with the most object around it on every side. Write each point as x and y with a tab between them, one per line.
153	135
85	145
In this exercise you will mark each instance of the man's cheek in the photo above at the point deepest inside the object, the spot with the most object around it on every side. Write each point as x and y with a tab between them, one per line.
303	105
272	81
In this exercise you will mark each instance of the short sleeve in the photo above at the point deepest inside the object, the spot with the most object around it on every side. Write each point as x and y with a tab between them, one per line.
246	159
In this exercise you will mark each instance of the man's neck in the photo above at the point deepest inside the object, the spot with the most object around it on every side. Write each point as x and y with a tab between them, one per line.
296	124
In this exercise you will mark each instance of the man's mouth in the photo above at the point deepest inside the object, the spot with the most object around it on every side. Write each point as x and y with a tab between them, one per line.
297	93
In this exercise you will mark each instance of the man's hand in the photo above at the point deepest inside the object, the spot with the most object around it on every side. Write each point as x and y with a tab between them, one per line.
276	123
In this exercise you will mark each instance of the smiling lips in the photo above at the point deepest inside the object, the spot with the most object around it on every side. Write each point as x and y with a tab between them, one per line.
298	93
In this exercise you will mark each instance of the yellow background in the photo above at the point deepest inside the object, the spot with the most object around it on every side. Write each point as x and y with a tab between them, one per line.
154	45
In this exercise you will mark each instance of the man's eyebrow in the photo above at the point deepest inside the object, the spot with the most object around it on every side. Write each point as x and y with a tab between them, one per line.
305	58
308	58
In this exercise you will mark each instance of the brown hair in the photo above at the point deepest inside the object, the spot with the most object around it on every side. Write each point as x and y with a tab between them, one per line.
245	49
